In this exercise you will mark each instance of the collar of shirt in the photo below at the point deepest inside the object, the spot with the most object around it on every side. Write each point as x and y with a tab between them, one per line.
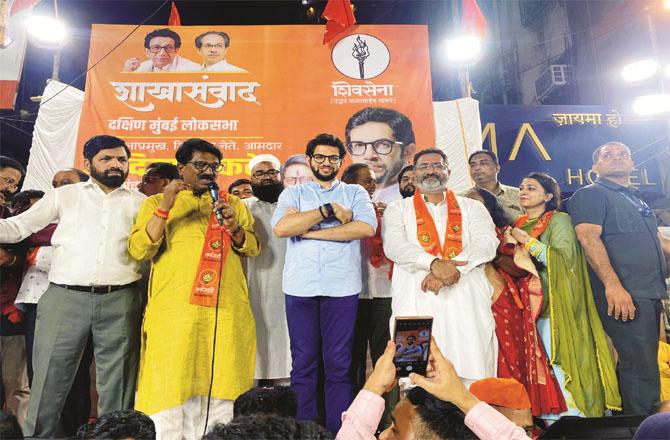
442	202
610	184
333	184
91	184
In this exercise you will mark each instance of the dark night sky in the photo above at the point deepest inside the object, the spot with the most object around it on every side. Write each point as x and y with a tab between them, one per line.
15	139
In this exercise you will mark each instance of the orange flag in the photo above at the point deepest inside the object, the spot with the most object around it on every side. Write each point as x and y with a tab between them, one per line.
472	19
174	19
340	17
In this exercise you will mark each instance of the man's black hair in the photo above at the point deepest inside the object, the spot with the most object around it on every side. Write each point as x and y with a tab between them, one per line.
8	162
490	154
126	424
498	214
442	419
9	426
226	38
280	401
403	171
163	169
238	182
103	142
267	427
325	139
22	199
429	151
83	177
350	172
165	32
399	123
185	151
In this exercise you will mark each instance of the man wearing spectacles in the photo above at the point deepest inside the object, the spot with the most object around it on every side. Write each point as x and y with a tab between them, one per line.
196	276
627	267
439	243
383	139
212	47
156	177
264	276
161	48
324	221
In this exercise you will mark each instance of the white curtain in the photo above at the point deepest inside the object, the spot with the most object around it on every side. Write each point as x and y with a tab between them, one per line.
458	132
55	135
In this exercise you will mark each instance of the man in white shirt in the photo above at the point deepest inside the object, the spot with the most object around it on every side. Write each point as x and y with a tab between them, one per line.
93	291
439	243
264	276
161	47
383	139
212	47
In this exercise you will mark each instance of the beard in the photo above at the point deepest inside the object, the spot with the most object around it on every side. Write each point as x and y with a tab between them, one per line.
107	179
269	192
431	183
324	177
407	191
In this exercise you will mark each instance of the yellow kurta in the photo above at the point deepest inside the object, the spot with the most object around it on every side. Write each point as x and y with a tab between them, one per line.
176	355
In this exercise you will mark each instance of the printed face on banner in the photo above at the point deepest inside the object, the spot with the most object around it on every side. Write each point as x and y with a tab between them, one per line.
157	97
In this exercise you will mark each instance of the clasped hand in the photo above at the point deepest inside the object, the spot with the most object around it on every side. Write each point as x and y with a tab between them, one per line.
442	273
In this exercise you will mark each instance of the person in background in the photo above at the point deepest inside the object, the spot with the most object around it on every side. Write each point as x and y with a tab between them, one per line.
9	426
161	47
156	177
68	176
280	401
579	354
627	268
406	181
127	424
241	188
324	221
264	276
296	170
484	169
267	427
213	47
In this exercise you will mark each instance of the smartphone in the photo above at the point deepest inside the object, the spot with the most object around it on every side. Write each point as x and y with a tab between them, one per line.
412	344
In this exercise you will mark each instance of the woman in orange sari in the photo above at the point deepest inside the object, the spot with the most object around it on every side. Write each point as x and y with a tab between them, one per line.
517	301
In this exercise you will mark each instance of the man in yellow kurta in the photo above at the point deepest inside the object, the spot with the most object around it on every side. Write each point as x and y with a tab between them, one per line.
179	322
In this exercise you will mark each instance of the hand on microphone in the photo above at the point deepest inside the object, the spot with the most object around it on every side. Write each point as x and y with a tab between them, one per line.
228	213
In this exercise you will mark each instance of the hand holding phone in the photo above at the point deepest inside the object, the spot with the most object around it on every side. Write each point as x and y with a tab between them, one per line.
412	344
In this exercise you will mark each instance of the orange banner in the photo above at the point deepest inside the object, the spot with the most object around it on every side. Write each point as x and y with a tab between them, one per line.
249	89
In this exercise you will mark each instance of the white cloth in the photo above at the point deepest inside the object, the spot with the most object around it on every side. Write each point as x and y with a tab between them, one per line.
223	66
463	324
178	64
55	135
36	278
388	194
187	421
91	240
264	278
376	281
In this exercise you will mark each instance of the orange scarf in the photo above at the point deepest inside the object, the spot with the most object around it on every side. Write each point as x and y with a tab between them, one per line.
540	226
426	232
212	257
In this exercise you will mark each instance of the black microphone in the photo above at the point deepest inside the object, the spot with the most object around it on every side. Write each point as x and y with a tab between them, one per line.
214	192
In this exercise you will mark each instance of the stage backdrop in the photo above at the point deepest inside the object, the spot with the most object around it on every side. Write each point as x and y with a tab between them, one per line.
289	88
559	140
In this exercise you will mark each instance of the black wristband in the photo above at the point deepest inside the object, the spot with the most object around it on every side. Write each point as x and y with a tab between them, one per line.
329	209
321	212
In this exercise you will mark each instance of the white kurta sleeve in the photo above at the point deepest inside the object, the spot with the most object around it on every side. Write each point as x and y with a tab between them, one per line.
482	242
19	227
397	246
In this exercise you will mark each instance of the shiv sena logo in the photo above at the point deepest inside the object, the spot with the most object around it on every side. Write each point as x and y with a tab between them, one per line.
214	244
207	276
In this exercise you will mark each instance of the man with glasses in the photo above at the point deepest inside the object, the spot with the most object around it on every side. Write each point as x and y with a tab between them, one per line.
161	48
212	47
484	169
383	139
264	276
156	177
325	220
198	313
439	243
627	266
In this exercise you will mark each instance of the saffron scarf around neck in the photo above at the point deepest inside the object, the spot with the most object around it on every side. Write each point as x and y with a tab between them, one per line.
426	231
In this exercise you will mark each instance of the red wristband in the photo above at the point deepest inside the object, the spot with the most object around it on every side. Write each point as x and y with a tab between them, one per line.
162	214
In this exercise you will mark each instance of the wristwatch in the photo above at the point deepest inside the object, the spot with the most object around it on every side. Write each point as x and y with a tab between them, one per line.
329	209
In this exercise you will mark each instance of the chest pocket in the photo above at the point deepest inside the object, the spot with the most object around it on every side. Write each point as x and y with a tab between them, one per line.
628	219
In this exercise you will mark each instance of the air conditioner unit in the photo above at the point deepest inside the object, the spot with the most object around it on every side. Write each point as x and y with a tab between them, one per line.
553	78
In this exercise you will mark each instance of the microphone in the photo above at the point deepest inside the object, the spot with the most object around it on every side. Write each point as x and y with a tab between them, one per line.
214	192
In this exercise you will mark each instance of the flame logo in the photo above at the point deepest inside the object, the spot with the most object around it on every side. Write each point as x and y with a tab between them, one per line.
360	51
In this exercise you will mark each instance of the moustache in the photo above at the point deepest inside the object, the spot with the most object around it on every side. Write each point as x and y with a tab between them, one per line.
428	176
206	177
114	170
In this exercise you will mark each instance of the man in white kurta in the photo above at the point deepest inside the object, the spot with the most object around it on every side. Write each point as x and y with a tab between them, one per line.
264	275
456	295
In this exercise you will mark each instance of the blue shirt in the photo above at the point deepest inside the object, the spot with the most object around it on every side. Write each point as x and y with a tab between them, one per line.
319	267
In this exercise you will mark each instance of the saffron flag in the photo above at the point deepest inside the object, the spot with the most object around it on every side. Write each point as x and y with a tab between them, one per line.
19	5
340	17
174	19
472	18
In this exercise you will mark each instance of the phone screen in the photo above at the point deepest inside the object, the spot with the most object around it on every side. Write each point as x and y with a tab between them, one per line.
412	344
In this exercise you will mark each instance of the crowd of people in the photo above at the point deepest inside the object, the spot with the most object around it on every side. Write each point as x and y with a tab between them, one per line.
193	302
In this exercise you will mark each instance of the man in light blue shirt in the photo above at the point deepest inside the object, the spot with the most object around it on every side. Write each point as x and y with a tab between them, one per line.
324	221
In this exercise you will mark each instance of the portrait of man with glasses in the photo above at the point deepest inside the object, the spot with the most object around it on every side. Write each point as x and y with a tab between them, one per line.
161	48
213	47
383	139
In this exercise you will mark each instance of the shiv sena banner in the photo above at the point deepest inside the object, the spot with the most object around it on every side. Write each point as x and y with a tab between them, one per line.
249	89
